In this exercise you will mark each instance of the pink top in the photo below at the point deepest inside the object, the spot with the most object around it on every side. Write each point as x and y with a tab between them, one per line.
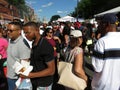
3	47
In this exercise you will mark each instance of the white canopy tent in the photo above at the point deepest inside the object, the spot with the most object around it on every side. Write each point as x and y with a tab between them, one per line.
114	10
70	18
66	18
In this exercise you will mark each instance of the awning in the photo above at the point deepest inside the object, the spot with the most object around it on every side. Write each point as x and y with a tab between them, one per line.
114	10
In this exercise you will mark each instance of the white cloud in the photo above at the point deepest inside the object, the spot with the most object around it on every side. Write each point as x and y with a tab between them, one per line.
60	12
40	10
47	5
30	2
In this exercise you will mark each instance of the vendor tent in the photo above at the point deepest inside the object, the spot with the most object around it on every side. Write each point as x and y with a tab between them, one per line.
114	10
66	18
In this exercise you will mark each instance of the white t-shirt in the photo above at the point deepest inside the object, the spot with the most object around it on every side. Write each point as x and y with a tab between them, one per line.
106	63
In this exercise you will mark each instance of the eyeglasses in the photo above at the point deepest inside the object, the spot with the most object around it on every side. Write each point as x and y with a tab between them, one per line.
50	32
9	30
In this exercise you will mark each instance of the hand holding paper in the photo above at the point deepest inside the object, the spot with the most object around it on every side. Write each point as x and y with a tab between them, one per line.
22	68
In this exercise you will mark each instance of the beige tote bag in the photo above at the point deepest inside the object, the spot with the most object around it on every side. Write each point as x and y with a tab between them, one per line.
69	79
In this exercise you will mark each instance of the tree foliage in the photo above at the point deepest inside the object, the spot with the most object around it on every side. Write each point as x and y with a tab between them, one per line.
20	4
16	2
87	8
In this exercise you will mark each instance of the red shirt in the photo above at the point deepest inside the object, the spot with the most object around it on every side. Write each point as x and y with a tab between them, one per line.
52	42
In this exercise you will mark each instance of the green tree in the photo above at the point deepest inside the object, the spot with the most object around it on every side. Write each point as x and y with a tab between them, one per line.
103	5
17	2
88	8
83	9
21	5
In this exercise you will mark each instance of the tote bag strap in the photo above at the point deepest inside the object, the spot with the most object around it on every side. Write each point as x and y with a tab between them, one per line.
69	57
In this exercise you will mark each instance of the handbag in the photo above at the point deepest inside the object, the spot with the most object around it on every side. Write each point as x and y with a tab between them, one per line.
68	78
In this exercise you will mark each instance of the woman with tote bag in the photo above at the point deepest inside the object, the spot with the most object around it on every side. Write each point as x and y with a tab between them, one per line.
78	79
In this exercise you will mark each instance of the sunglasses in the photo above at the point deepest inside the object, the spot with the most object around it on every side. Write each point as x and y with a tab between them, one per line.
50	32
9	30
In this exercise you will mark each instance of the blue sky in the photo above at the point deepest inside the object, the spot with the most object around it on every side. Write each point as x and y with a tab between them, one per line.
48	8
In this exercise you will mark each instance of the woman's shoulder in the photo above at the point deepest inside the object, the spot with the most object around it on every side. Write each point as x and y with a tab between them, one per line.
77	50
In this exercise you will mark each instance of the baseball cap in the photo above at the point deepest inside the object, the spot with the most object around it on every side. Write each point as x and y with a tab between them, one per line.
75	33
109	18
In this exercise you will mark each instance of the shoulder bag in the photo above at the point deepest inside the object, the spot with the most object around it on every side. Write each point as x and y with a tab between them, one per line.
68	78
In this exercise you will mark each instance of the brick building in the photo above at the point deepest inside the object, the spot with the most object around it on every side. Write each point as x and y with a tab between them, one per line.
7	12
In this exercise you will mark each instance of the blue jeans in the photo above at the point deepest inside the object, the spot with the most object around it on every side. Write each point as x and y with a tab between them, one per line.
45	88
11	84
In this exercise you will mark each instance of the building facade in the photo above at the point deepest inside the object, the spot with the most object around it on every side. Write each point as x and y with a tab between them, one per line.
7	12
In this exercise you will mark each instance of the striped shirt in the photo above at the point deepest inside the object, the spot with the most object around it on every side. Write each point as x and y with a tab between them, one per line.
106	62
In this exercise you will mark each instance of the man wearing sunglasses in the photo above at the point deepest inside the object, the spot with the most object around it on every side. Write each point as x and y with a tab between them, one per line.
17	51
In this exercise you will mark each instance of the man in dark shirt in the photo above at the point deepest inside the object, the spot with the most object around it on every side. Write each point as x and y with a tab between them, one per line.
42	59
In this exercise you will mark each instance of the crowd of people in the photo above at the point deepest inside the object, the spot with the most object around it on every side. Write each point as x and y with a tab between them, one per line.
33	50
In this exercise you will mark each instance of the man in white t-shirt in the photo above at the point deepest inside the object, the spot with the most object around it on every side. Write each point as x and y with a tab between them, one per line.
106	56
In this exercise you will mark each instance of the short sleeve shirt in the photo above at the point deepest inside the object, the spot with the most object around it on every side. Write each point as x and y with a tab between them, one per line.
17	51
73	53
40	55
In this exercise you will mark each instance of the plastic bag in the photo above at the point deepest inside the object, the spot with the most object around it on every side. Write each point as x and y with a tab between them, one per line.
25	84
